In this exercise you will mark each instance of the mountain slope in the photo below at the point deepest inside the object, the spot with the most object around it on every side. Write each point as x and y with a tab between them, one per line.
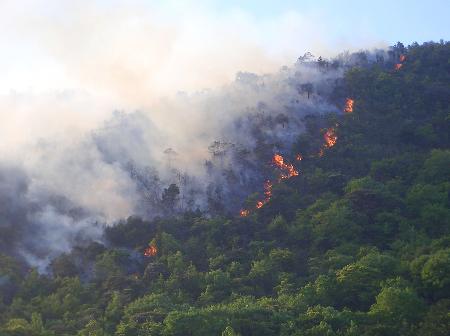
357	244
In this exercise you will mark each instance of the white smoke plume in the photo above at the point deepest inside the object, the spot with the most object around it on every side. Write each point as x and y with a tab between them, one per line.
71	165
69	185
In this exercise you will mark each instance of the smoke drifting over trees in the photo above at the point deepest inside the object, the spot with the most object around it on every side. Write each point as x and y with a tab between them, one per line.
204	151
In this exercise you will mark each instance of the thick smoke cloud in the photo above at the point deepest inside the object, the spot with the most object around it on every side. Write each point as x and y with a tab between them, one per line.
38	226
66	187
69	167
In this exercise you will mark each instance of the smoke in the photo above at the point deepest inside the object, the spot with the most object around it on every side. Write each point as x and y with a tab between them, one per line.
70	165
61	190
38	225
132	53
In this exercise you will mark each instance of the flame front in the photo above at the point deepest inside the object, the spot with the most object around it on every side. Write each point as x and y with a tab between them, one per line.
287	168
288	171
349	105
150	251
267	194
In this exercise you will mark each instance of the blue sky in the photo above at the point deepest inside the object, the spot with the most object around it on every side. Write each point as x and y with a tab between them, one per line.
391	20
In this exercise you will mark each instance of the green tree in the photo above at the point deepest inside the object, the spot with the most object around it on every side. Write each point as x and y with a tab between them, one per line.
92	328
398	308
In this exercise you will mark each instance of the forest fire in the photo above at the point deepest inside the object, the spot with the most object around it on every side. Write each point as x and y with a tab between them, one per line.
260	204
267	194
151	251
268	189
287	168
349	105
288	172
244	213
330	137
402	58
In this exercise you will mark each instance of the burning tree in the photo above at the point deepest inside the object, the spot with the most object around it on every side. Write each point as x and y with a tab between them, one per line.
150	251
349	105
330	137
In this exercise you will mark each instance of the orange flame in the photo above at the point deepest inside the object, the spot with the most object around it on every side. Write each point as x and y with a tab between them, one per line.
288	171
244	213
402	58
287	168
150	251
260	204
268	189
330	137
267	194
349	105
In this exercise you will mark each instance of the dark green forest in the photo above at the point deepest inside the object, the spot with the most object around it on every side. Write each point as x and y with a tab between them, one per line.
357	244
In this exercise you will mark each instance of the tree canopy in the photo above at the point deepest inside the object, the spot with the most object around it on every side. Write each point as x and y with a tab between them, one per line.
357	244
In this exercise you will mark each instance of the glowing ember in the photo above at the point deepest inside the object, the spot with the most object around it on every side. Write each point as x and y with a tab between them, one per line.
402	58
299	157
151	251
267	194
268	189
330	137
244	213
349	105
321	152
398	66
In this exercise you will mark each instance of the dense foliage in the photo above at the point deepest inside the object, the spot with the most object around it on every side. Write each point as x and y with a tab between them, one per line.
357	244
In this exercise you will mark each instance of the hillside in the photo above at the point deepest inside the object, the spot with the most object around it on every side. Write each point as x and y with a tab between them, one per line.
356	242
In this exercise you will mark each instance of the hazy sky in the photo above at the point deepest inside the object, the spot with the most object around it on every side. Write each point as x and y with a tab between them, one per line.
108	45
65	65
